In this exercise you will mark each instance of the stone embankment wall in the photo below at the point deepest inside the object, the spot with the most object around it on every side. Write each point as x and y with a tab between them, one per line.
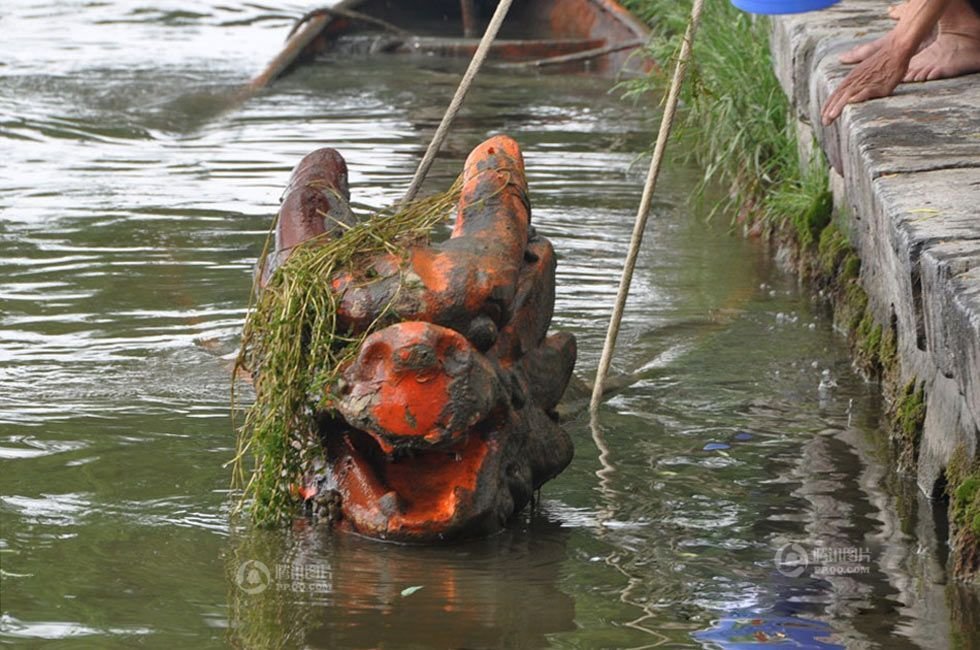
906	183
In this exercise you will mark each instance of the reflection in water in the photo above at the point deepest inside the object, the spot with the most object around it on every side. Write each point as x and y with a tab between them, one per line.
328	591
773	632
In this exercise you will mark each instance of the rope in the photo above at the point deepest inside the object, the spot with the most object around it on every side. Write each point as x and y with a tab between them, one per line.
643	212
464	85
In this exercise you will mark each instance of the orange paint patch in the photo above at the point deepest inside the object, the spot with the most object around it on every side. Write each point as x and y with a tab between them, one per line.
432	484
412	406
433	268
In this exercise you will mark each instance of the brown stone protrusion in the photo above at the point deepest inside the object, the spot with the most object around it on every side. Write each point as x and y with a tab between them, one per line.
314	205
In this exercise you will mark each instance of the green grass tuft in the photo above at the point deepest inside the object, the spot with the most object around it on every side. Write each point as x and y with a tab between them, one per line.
966	503
735	113
805	203
293	350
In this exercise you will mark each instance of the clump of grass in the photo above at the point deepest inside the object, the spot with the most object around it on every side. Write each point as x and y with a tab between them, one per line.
804	202
735	115
294	350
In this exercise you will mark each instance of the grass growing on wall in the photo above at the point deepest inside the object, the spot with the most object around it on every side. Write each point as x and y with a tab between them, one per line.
735	121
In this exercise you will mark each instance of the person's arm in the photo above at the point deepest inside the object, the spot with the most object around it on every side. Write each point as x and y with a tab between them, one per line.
879	74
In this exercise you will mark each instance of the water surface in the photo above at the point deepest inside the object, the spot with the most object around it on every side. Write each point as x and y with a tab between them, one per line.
134	202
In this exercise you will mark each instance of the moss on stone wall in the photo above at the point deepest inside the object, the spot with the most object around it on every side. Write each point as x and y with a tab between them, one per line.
812	221
908	413
966	502
850	306
832	250
888	351
963	489
866	345
835	268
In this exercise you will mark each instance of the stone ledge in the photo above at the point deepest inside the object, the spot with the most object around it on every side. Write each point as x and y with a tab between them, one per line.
910	193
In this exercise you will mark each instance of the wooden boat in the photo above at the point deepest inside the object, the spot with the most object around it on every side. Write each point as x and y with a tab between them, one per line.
599	33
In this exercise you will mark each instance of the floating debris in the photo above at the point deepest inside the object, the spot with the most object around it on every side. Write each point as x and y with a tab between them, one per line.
827	381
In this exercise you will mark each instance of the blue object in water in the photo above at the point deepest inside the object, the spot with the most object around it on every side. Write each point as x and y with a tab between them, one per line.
782	6
714	446
770	632
742	436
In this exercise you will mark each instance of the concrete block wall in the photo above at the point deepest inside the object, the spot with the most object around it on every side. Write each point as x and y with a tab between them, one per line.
906	179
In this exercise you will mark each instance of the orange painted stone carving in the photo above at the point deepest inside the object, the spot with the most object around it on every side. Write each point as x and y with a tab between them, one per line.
446	424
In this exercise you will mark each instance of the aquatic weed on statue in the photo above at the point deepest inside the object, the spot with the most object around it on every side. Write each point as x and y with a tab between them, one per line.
407	392
293	350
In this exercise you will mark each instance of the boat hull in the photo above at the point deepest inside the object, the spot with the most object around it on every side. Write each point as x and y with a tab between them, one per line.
534	30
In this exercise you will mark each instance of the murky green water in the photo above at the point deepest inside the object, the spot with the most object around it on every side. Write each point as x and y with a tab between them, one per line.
132	212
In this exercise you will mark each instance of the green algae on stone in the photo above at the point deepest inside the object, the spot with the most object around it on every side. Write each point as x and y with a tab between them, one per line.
851	307
811	222
908	414
850	268
888	353
963	489
963	485
966	503
831	250
867	344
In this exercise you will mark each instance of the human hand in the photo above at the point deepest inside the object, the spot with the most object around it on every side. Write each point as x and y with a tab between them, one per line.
876	76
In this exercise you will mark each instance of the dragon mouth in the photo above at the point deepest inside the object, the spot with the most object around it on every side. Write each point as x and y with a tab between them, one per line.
435	440
416	458
412	494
